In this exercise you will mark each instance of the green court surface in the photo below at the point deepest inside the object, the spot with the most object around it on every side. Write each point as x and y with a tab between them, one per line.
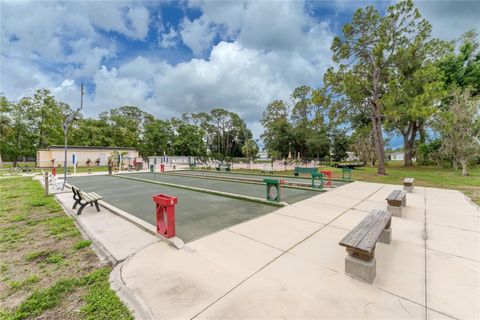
257	190
197	214
300	181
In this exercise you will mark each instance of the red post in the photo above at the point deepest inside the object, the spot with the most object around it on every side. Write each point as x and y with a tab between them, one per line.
54	171
162	168
328	174
165	206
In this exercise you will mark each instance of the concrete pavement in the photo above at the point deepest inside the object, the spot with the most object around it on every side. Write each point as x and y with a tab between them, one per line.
288	264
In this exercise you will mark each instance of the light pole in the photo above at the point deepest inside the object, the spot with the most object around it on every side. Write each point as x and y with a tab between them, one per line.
66	124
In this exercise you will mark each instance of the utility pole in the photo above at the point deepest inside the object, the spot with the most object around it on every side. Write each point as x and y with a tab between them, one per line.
66	124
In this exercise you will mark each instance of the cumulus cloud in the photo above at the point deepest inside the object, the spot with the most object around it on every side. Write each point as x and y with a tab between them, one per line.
245	53
169	39
450	19
197	35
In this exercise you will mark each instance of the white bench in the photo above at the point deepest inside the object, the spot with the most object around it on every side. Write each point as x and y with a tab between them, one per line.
83	199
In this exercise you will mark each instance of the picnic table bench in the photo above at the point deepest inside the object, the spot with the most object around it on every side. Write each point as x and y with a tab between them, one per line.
361	242
299	170
408	184
83	199
396	200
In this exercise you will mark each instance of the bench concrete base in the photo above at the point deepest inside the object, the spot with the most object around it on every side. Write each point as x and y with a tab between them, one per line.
409	189
360	269
395	211
386	236
404	202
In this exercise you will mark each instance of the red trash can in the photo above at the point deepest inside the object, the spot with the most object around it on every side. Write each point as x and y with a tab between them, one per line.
162	168
54	171
328	174
165	208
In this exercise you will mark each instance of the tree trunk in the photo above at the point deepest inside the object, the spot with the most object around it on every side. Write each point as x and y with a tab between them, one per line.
378	138
463	162
408	143
454	164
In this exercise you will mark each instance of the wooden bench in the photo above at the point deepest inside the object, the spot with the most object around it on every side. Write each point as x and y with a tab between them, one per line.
83	199
408	184
299	170
361	242
396	201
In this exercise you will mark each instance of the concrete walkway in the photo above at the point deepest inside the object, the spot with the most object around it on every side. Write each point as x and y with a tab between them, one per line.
288	264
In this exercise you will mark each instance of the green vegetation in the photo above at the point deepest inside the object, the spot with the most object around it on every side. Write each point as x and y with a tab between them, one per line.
45	262
82	244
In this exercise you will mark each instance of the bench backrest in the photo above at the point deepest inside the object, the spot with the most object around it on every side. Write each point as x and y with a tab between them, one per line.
364	236
305	170
77	193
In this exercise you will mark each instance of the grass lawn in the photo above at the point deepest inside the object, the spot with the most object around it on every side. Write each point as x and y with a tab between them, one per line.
426	176
47	270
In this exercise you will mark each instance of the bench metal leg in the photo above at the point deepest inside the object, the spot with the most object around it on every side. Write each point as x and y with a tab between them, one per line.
75	204
361	269
96	206
81	208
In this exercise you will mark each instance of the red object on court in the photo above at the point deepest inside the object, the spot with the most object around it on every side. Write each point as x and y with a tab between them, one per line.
165	206
329	175
282	181
162	168
54	171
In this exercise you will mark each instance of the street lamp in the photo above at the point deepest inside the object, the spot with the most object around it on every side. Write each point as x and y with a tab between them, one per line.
66	125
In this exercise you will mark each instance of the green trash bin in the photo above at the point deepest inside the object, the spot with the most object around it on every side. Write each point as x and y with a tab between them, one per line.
273	190
346	173
317	176
152	168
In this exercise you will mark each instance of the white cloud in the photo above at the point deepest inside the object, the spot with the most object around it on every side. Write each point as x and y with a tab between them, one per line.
169	39
450	19
269	48
197	35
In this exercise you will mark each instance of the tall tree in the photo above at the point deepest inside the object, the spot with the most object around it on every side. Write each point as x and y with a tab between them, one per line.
18	138
461	67
301	114
365	53
459	127
250	149
277	136
188	140
158	138
415	90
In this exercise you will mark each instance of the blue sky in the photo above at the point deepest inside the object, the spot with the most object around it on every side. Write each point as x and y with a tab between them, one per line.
174	57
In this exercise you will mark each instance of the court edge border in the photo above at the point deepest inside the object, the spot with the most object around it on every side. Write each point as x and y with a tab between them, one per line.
208	191
184	173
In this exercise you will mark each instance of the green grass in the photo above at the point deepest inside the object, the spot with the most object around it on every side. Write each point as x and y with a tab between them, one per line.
425	176
45	261
82	244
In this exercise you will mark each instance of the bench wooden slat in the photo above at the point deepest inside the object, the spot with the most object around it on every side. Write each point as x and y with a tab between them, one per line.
364	236
396	198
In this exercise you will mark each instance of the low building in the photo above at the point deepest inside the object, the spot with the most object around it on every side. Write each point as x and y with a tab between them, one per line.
396	156
53	156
